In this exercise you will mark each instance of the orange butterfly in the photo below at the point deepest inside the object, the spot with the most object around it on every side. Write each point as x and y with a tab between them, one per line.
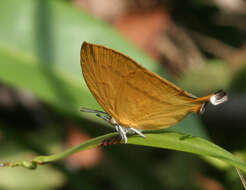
133	97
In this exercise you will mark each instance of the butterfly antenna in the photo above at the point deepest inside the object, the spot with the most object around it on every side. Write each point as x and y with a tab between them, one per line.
88	110
101	114
106	118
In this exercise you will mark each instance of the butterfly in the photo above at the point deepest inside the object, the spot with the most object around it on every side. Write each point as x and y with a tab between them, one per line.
134	98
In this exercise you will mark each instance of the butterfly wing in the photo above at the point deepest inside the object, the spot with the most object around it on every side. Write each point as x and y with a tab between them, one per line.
132	95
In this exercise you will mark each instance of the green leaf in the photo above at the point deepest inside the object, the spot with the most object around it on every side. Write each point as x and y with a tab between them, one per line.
188	143
165	140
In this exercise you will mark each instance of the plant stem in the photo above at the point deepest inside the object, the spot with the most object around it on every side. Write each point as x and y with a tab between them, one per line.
59	156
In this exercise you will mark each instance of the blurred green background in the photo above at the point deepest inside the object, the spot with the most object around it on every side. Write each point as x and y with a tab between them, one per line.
197	44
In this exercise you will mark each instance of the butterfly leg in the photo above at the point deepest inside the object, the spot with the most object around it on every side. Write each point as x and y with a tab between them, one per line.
122	132
138	132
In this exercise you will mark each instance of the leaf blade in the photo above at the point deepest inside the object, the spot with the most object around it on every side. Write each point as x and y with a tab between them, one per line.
190	144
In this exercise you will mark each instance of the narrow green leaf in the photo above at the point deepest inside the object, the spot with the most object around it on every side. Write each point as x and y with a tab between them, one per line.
188	143
165	140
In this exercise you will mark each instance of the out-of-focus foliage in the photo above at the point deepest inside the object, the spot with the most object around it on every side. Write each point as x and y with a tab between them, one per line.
47	64
213	76
239	81
40	49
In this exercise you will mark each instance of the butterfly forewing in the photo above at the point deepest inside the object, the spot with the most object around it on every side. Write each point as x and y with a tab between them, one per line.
132	95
